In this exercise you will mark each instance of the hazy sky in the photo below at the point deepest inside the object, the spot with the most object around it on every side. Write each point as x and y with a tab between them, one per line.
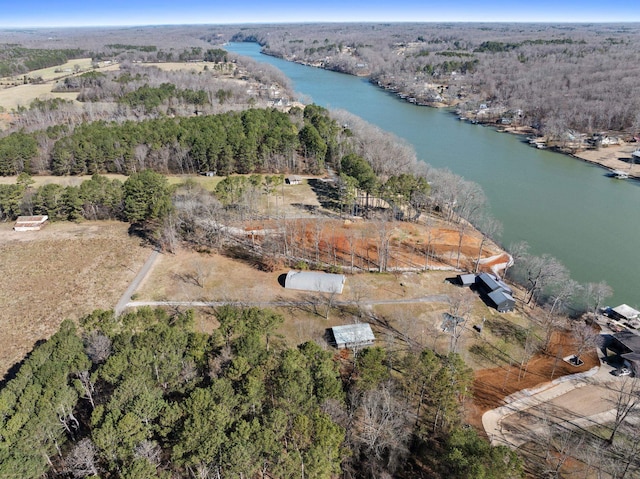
17	13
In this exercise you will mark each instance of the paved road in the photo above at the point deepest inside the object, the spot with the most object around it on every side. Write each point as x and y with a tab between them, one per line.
126	297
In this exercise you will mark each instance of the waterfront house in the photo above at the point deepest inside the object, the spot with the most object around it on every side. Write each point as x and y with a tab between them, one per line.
626	344
502	301
497	292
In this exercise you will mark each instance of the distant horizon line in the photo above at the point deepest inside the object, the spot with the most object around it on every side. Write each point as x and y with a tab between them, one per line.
320	22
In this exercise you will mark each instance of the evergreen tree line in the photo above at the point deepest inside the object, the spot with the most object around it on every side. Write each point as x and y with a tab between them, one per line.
15	59
144	395
234	142
143	197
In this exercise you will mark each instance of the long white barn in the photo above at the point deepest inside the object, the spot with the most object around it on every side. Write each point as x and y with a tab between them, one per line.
315	281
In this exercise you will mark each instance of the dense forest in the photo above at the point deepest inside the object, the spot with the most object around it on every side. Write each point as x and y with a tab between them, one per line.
16	60
144	395
235	142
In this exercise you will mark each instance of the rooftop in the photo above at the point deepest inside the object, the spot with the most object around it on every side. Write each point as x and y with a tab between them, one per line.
315	281
626	311
353	334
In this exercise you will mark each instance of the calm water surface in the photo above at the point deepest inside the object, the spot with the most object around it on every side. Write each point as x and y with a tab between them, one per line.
559	205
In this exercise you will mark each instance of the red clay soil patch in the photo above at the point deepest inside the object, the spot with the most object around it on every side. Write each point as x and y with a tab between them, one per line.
361	244
491	386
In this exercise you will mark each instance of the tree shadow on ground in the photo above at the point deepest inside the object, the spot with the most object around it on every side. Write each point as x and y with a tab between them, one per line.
327	194
13	370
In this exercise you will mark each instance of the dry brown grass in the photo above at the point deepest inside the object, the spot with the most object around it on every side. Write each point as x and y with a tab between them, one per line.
58	71
59	180
192	276
64	271
23	95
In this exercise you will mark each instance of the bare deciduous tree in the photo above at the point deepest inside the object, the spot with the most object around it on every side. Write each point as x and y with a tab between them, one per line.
540	273
626	404
98	346
585	338
382	427
595	294
82	460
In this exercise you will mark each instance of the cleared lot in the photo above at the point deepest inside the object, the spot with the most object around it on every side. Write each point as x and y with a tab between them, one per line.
64	271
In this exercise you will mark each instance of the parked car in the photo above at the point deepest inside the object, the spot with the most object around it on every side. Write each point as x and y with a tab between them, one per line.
623	372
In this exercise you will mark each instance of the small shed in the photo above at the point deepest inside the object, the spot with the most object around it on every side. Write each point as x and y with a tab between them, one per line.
30	223
315	281
635	156
293	180
450	322
502	301
352	335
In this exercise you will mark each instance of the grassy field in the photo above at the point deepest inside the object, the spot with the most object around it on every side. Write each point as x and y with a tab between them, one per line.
64	271
188	275
51	73
23	95
59	180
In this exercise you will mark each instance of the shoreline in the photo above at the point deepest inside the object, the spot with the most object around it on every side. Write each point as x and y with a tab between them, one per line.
607	157
611	158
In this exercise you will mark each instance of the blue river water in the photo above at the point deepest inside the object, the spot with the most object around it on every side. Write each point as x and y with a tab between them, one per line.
559	205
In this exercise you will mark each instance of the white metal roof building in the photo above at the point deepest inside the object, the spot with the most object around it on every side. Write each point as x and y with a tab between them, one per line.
30	223
353	335
293	180
315	281
625	311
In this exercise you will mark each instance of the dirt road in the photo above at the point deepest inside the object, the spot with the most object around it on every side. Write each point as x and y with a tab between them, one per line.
142	274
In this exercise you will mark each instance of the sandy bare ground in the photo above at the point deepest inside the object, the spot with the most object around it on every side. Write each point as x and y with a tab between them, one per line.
616	157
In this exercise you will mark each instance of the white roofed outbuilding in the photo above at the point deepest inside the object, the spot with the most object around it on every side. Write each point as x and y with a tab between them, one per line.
30	223
315	281
353	335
